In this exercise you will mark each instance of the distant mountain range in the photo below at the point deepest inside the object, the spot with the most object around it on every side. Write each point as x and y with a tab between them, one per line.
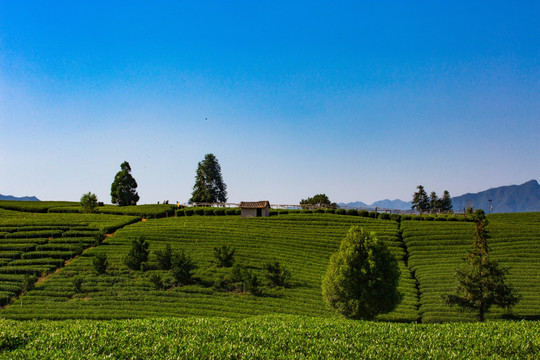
24	198
513	198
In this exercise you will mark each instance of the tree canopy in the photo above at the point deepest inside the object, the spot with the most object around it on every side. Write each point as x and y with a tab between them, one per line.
481	283
361	280
209	186
124	187
422	202
319	200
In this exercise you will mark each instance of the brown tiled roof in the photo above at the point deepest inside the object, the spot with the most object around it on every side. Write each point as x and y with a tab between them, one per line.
254	204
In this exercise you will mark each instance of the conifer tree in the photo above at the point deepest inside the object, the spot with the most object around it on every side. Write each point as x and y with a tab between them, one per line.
209	186
481	283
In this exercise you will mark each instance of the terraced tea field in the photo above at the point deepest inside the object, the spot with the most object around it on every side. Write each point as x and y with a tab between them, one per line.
303	243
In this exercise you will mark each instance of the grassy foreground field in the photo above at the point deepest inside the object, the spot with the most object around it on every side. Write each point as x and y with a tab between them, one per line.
266	337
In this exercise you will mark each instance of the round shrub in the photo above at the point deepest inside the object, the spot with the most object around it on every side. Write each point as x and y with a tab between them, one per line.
180	212
283	212
384	216
230	212
373	214
208	212
188	212
219	211
198	211
417	218
274	212
406	217
429	218
341	211
330	211
363	213
319	211
440	218
238	212
307	211
352	212
395	217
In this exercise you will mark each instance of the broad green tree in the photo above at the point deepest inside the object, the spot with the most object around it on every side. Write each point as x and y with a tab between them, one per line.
319	200
89	202
209	186
361	280
124	187
420	200
481	283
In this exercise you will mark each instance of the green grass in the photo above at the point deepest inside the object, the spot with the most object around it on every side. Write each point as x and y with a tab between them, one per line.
266	337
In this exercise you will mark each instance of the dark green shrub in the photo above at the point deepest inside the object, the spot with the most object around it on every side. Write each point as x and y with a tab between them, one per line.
330	211
341	212
77	282
244	280
230	212
384	216
352	212
319	211
29	282
180	212
164	258
273	212
138	255
238	212
395	217
440	218
208	212
276	274
406	217
198	211
363	213
373	214
157	281
100	263
224	256
188	212
307	211
219	211
182	268
417	218
429	218
283	212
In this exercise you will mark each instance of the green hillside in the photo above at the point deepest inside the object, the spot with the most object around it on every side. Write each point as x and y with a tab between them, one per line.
428	254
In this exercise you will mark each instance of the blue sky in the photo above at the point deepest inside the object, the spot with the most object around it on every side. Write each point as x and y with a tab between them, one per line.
358	100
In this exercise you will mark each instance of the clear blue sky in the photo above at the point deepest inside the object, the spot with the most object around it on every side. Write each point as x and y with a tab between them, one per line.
361	100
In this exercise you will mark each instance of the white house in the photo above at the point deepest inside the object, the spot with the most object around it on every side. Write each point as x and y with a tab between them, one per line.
255	208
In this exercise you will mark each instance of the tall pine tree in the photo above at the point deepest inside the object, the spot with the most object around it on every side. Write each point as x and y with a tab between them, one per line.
481	283
209	186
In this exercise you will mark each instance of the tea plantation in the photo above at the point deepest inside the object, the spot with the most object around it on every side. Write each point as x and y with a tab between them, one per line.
58	245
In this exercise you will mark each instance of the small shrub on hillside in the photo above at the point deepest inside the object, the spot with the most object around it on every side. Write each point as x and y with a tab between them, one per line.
243	280
138	255
230	212
180	212
77	282
224	256
307	211
29	281
208	212
440	218
182	268
164	258
89	202
188	212
373	214
429	218
363	213
341	212
352	212
283	212
406	217
276	274
395	217
198	211
330	211
274	212
319	211
100	263
157	281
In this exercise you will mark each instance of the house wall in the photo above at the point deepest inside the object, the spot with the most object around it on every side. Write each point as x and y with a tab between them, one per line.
248	212
253	212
